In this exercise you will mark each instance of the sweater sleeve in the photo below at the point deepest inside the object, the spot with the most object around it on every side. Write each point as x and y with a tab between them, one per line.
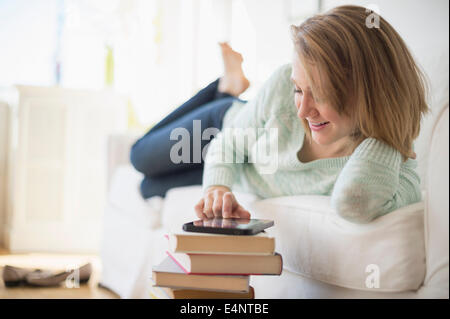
374	182
225	156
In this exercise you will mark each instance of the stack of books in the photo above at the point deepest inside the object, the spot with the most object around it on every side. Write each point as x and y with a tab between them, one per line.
200	265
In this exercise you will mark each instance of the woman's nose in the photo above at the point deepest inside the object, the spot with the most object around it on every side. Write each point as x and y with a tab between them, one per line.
306	107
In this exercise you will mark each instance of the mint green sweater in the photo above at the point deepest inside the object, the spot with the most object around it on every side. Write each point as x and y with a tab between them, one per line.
373	181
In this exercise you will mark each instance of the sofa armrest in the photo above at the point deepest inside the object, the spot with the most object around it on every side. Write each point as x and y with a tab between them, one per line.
118	152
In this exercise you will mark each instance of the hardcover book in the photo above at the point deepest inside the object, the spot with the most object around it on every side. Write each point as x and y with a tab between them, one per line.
202	243
229	264
169	274
176	293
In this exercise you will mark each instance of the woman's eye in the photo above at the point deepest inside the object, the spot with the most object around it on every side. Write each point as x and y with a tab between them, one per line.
296	91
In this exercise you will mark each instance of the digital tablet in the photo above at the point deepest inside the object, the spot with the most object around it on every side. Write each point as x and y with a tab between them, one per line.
228	226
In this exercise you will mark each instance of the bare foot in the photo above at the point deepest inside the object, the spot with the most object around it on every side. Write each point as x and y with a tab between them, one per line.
234	81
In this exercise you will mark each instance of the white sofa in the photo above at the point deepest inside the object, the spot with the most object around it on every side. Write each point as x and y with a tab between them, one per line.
324	256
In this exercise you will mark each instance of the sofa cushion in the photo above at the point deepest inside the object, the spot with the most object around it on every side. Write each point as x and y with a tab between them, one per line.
386	255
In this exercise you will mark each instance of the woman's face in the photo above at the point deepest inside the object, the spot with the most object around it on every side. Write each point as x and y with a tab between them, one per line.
328	128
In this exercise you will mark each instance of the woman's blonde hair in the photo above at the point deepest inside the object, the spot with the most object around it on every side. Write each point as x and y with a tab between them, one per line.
365	71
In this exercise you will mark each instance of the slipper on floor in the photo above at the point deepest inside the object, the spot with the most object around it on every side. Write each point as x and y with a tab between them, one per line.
46	278
15	276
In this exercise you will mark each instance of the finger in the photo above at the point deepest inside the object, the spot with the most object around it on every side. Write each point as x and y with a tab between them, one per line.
217	205
199	209
227	207
244	214
241	212
207	209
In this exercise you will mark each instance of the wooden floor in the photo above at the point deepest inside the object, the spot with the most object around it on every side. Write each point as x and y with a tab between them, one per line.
90	290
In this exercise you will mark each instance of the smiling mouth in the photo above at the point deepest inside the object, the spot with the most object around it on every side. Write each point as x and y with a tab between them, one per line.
318	124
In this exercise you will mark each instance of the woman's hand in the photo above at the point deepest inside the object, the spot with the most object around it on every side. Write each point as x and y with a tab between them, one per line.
219	201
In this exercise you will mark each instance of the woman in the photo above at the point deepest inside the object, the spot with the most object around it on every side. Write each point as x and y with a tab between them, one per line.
347	112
